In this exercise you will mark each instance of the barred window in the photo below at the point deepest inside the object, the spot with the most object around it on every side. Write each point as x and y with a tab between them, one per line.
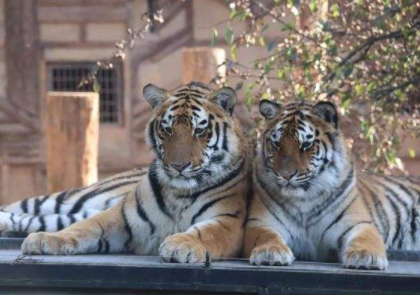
67	77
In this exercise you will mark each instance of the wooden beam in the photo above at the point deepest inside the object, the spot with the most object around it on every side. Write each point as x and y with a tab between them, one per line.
22	61
202	64
72	130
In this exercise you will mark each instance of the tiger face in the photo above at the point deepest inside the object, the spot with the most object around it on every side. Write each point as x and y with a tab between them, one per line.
192	133
301	145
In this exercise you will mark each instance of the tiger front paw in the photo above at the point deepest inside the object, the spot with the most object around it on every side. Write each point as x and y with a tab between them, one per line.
365	259
49	243
272	254
182	248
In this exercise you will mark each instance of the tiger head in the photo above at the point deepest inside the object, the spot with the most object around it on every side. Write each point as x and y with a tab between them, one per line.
193	134
302	146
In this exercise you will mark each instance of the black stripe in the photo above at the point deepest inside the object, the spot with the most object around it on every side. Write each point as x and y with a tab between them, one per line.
380	211
12	220
72	219
413	224
335	196
143	215
29	223
214	146
79	204
198	233
152	135
401	186
368	207
157	190
107	246
24	206
20	223
127	228
271	211
42	222
231	215
59	201
100	245
289	215
344	233
225	146
124	177
60	224
338	218
208	205
38	204
223	181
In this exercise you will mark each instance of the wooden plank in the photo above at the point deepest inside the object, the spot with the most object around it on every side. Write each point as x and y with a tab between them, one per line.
72	132
55	3
13	128
22	62
82	14
130	272
202	64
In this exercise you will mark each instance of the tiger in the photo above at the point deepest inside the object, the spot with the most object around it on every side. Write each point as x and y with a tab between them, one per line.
311	203
188	206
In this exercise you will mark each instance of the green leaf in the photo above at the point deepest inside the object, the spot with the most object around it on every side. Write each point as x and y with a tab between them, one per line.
359	89
313	6
214	37
234	14
96	86
95	68
335	10
264	28
348	70
229	36
233	51
412	153
271	45
239	86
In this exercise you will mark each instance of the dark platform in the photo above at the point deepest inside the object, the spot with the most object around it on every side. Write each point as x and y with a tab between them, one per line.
129	274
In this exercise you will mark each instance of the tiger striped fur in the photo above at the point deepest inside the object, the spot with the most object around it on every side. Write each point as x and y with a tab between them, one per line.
311	202
190	201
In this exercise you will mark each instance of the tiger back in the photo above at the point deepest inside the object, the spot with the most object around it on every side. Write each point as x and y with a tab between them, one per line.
312	203
189	202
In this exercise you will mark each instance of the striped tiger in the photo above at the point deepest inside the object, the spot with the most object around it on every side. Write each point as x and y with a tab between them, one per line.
311	202
189	202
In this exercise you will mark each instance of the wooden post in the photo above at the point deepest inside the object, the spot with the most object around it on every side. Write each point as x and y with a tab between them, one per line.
202	64
72	131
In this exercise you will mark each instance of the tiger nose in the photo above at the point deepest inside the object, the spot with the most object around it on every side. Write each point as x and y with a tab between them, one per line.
288	174
180	167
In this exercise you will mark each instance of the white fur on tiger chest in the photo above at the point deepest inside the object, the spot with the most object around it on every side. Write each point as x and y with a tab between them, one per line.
148	236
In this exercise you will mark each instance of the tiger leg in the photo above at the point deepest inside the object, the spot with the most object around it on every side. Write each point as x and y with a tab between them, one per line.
219	237
265	246
364	248
103	232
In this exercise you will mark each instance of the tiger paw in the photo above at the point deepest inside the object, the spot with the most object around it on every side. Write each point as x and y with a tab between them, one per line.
182	248
49	243
364	259
279	255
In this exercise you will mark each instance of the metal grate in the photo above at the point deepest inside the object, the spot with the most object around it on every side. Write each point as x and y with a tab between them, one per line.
67	77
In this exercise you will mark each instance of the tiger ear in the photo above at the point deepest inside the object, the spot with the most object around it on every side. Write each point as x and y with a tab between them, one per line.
225	98
326	111
154	95
269	109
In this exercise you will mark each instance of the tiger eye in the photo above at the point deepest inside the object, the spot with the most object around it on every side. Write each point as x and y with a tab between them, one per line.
199	131
306	145
168	130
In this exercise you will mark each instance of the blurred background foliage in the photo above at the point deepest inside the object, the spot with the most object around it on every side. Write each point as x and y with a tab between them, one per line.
364	55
